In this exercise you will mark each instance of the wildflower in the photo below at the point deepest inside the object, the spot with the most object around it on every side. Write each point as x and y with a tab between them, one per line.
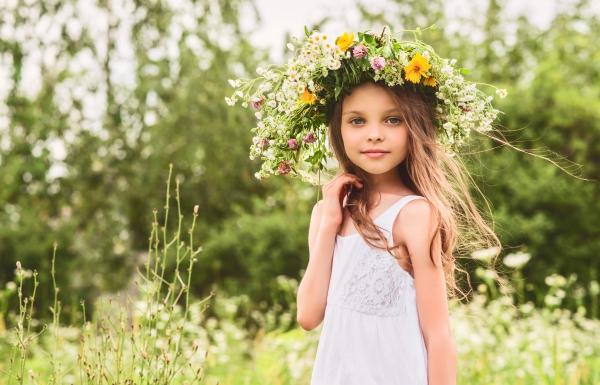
360	51
308	97
516	260
263	143
430	81
332	64
501	92
292	144
485	254
449	126
284	167
256	102
344	41
555	280
417	67
377	63
235	83
309	138
551	300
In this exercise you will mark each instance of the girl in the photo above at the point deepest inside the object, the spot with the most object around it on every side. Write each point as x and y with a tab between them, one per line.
385	316
381	240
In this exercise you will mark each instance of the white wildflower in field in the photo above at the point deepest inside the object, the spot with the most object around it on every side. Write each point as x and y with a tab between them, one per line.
485	254
516	260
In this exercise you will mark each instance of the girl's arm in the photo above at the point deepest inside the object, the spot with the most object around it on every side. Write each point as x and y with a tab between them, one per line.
312	293
416	227
325	221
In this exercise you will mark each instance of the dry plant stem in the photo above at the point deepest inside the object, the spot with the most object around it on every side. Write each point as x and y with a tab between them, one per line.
164	362
23	328
56	309
112	351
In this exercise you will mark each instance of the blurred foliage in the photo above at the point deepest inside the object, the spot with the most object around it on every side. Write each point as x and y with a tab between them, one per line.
126	91
121	113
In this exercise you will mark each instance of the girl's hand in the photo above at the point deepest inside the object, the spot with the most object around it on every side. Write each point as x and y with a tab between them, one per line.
333	197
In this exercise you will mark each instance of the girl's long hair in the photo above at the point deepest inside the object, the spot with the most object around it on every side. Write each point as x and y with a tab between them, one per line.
427	170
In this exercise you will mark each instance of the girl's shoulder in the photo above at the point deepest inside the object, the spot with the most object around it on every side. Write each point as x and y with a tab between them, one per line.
416	217
416	208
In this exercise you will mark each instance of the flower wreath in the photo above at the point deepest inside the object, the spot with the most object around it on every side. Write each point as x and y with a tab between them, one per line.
291	101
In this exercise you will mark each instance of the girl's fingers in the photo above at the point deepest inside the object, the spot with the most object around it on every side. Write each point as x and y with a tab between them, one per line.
342	180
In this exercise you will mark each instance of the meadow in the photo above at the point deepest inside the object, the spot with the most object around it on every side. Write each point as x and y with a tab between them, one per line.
160	334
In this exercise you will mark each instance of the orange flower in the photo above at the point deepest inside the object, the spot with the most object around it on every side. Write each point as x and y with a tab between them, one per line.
307	97
417	67
430	81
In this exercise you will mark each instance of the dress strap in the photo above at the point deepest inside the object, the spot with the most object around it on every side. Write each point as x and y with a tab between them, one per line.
387	219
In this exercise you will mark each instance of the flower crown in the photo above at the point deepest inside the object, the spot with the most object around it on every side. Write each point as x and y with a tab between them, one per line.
291	101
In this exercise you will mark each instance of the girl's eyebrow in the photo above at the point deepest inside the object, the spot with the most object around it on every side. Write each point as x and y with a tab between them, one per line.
395	109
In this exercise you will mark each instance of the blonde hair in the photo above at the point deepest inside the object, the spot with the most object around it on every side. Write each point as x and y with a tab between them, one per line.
430	172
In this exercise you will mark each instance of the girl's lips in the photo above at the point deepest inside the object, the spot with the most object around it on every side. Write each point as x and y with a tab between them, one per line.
375	154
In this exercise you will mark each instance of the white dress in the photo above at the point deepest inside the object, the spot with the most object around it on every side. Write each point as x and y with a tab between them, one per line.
370	333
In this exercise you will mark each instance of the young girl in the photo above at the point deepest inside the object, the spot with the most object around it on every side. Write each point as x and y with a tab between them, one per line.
381	240
385	317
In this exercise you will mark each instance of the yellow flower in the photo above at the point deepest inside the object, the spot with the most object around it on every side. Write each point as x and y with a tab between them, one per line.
416	68
430	81
307	97
345	41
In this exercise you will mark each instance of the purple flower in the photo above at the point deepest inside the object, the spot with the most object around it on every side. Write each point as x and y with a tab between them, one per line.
360	51
309	138
284	167
377	63
292	144
256	103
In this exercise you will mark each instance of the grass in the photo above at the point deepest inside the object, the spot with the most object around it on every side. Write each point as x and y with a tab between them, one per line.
162	335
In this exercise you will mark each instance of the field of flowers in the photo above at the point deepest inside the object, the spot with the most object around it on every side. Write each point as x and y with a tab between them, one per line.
163	336
498	343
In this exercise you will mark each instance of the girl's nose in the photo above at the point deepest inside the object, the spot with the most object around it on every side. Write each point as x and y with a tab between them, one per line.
375	133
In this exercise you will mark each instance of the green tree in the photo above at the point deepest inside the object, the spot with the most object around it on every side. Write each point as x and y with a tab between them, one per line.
124	92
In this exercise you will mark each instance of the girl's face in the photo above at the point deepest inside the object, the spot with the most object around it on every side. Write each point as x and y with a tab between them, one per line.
371	120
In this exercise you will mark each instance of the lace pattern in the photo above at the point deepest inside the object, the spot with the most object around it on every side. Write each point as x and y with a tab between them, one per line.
377	285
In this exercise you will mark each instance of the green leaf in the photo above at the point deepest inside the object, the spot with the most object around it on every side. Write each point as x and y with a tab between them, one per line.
387	51
338	90
306	31
465	71
370	39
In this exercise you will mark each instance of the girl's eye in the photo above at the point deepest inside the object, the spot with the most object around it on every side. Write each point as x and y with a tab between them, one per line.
393	120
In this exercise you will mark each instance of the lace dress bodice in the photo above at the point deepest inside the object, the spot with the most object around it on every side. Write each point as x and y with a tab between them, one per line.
370	333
